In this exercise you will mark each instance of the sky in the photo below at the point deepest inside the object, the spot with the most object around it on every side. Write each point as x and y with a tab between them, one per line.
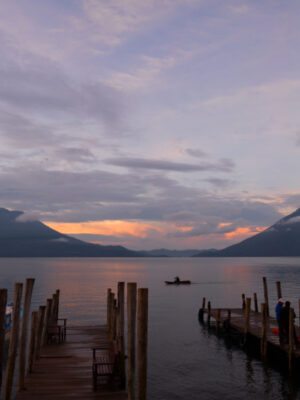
154	123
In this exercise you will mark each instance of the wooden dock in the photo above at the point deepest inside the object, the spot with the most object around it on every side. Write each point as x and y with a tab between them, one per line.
64	371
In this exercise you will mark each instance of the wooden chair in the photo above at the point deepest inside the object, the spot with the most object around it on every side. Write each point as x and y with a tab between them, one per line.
106	363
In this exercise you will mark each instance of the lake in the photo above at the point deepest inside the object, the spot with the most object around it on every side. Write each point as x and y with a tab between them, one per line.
185	360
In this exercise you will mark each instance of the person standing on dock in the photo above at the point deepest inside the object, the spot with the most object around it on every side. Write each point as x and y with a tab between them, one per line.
278	309
285	318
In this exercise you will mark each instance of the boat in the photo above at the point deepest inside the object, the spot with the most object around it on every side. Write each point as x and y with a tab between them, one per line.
8	322
8	319
177	282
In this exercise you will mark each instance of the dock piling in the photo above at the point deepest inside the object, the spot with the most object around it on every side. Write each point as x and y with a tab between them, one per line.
266	296
3	302
255	303
14	339
291	338
278	288
23	340
33	328
263	330
247	316
243	302
208	312
39	331
142	341
131	321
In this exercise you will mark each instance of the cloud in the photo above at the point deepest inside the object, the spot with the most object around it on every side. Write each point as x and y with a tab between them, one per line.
293	220
43	89
224	165
198	153
28	217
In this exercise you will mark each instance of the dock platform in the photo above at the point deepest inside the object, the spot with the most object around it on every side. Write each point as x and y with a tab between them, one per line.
237	323
64	371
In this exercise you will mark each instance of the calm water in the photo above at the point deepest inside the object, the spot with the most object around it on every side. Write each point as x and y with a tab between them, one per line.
185	360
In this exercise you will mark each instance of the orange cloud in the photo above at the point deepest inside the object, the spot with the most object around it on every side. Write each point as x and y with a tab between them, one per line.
107	228
247	231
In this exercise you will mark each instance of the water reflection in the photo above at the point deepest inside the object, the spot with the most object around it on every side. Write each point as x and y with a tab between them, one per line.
186	361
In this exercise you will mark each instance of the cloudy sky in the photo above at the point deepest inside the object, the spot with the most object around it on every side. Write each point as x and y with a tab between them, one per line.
154	123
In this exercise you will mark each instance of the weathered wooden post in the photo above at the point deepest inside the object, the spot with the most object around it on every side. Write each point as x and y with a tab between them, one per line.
33	329
115	311
46	322
23	341
218	313
108	310
201	311
255	303
247	316
263	347
228	315
278	287
291	338
53	312
39	331
3	302
57	304
112	314
142	341
243	302
131	321
266	296
14	339
120	330
208	312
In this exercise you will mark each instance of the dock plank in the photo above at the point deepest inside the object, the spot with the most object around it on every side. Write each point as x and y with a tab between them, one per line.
64	371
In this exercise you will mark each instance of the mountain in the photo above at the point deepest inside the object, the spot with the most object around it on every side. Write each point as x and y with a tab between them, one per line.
279	240
170	253
20	237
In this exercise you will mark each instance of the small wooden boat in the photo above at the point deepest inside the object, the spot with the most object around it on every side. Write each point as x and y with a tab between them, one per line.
177	282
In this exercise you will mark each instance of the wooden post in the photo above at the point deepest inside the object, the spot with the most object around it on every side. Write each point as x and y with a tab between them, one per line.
23	341
299	310
108	309
278	287
112	314
34	319
247	315
39	331
53	318
243	302
218	313
14	339
120	330
291	338
57	304
46	322
229	314
255	303
3	301
115	311
203	303
266	296
208	312
131	321
142	342
263	331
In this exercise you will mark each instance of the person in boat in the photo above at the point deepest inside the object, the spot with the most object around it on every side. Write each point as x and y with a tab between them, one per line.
176	279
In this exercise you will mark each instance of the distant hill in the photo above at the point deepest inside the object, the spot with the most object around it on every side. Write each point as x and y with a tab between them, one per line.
279	240
170	253
22	238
